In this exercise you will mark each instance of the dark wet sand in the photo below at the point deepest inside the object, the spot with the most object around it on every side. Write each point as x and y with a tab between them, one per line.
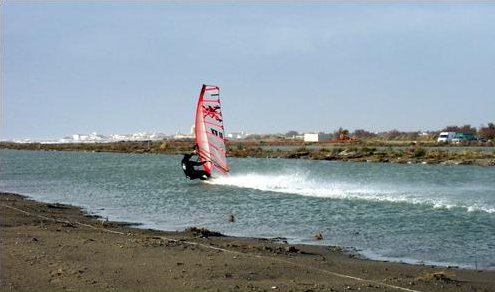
58	247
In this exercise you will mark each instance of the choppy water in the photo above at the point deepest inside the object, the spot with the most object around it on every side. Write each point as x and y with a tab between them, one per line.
413	213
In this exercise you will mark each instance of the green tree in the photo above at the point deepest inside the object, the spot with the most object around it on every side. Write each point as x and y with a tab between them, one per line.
360	133
466	129
488	132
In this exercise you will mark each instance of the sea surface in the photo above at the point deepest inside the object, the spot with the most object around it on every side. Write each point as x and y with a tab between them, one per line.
431	214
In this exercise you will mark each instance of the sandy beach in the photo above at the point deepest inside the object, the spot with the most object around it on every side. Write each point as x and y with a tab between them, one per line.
59	247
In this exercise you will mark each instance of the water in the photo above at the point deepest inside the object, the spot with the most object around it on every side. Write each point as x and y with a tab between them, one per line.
431	214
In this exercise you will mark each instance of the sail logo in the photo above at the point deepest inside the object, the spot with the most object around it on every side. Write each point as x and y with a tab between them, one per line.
216	133
212	112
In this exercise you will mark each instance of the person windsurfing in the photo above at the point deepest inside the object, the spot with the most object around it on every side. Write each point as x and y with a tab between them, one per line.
189	170
209	138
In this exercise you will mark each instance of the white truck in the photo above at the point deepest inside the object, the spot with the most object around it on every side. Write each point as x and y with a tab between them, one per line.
446	136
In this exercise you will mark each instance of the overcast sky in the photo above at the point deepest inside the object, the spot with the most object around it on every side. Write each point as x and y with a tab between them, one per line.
122	68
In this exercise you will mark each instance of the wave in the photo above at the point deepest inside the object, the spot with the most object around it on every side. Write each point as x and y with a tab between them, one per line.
302	184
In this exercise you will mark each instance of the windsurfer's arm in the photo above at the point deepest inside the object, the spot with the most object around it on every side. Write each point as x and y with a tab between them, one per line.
198	163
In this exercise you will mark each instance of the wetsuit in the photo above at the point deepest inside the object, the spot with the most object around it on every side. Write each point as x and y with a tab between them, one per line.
190	171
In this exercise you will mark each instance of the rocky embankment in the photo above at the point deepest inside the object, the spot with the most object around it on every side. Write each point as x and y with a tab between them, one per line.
359	152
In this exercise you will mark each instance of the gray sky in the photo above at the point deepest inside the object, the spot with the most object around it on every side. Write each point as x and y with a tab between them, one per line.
122	68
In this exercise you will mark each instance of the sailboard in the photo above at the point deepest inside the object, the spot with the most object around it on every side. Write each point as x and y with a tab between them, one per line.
209	131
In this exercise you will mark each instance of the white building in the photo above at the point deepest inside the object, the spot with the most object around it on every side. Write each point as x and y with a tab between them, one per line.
79	137
237	135
179	135
316	137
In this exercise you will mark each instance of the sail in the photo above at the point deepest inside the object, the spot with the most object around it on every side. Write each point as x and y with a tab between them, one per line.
210	135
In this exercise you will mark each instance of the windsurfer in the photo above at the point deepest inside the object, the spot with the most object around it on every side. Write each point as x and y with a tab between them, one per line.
190	171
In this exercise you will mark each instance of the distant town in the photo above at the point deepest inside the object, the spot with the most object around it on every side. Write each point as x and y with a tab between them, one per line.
95	137
456	145
457	134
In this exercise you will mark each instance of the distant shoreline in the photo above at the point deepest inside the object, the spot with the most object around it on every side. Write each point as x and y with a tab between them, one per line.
372	151
57	246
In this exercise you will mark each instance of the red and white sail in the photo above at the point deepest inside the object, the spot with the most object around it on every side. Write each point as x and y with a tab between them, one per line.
210	134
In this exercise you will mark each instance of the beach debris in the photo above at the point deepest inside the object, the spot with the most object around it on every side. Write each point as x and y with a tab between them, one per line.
68	224
318	236
441	277
336	249
280	250
291	249
231	218
57	206
152	241
202	232
437	276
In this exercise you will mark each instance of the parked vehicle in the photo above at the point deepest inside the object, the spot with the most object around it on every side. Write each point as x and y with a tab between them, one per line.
461	137
446	136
